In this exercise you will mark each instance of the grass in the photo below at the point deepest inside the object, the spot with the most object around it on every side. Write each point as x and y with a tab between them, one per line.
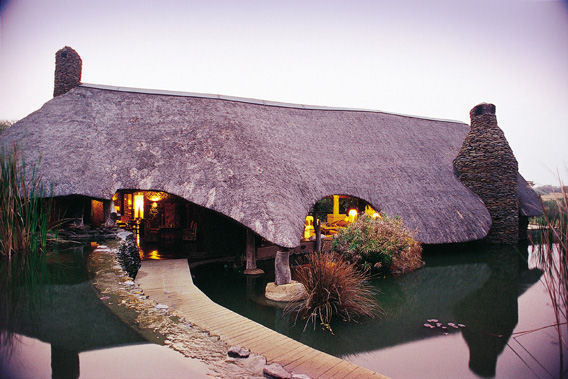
552	254
24	211
336	289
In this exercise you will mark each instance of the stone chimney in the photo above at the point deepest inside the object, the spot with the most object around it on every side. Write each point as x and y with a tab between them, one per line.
487	166
68	66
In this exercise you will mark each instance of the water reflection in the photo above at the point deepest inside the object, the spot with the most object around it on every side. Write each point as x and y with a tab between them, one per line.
49	298
478	287
491	312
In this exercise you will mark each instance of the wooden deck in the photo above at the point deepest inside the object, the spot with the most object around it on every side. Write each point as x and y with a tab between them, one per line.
169	282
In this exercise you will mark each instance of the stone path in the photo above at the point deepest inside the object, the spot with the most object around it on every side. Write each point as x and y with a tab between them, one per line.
169	282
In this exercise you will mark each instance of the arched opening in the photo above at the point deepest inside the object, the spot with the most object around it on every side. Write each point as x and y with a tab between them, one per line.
169	226
335	212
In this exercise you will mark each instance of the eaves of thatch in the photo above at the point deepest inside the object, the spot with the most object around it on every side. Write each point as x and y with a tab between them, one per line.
529	202
261	164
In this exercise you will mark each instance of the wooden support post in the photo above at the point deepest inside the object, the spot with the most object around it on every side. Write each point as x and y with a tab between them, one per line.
317	228
250	252
108	208
335	205
282	272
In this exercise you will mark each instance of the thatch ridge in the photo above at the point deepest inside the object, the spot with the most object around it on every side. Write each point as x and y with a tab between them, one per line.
264	166
251	100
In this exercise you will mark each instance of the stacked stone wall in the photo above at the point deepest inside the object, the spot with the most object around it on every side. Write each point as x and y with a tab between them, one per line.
68	66
487	166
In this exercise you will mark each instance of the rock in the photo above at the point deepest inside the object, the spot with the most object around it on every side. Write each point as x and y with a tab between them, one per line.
129	254
238	352
161	306
300	376
293	291
276	371
129	283
254	362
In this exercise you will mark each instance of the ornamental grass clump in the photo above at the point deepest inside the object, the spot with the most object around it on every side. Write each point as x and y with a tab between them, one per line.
381	245
336	289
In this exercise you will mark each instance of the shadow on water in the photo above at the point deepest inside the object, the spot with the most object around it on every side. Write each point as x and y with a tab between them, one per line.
50	298
476	286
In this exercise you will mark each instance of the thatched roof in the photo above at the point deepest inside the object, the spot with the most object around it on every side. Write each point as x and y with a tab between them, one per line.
529	202
261	164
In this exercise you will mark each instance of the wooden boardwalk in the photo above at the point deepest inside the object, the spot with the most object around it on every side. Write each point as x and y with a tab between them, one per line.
169	282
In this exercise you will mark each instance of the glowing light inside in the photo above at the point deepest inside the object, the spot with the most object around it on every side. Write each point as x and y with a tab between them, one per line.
139	205
335	204
156	196
309	227
371	212
352	215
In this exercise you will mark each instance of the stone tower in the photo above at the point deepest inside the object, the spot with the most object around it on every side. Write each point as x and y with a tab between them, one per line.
68	67
487	166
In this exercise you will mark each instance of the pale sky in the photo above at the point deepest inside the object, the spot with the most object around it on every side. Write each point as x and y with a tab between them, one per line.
436	58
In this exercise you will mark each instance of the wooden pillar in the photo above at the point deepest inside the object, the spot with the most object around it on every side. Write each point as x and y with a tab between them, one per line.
282	272
317	227
335	204
108	208
250	252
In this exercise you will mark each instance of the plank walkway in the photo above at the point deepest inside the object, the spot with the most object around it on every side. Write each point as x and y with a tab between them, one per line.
169	282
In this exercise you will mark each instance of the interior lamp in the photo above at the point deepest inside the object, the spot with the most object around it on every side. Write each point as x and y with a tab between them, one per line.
352	215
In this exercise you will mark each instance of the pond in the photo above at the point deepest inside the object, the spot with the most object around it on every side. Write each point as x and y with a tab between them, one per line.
52	324
497	293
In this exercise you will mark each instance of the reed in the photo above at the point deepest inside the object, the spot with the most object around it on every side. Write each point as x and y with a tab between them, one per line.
24	210
336	288
552	254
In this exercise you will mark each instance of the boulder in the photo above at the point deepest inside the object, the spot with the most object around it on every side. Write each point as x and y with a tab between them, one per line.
293	291
238	352
276	371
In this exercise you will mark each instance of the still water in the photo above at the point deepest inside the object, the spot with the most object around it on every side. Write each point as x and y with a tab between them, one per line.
53	325
496	293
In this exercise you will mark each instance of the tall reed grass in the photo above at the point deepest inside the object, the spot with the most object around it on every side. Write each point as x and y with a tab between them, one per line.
24	210
552	253
336	288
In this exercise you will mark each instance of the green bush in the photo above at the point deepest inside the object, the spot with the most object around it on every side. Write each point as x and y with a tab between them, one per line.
336	288
5	124
553	212
380	244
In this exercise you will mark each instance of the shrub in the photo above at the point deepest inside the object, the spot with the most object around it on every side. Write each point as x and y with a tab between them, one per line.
380	244
335	287
5	124
553	212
